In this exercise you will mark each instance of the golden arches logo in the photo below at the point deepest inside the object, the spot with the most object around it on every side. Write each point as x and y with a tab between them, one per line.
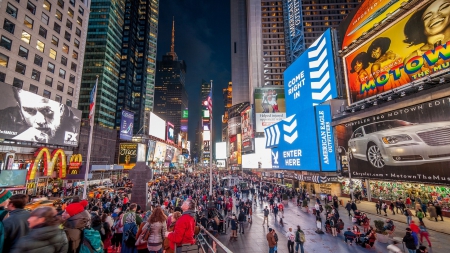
76	158
49	160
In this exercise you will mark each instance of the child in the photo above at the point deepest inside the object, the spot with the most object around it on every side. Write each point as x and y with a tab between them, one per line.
175	216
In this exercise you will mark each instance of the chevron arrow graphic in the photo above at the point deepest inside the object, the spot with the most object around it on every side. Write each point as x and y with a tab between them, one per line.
288	120
290	128
316	63
314	53
318	73
290	139
321	95
272	137
277	135
317	41
322	82
267	137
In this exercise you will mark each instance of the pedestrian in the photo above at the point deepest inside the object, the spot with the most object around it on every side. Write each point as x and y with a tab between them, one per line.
348	207
131	221
16	225
45	234
174	217
384	207
391	207
183	233
424	233
299	239
354	208
422	249
291	240
349	236
439	211
241	219
378	207
107	232
233	228
424	209
408	202
275	212
275	235
118	231
432	212
408	215
4	201
393	248
156	227
271	240
420	214
76	218
266	216
409	242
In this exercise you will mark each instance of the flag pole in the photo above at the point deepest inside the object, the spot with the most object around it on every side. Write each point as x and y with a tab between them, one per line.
88	158
211	145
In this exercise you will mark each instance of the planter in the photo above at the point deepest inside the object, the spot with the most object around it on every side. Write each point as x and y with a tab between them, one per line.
382	238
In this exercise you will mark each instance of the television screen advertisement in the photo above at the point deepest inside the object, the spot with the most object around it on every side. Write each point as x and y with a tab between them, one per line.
170	152
325	135
409	144
128	153
151	150
157	127
221	150
160	152
170	133
269	106
235	138
25	116
9	178
248	145
260	159
126	125
220	163
409	50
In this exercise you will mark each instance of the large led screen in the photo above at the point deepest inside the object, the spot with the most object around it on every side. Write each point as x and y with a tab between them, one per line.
248	135
25	116
260	159
160	152
221	150
10	178
270	106
170	133
157	127
126	125
411	49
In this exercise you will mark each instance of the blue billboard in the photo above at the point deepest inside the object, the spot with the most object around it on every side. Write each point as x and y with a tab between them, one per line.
126	125
311	79
326	138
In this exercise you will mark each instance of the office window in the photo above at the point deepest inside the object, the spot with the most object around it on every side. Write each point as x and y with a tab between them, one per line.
47	5
23	52
51	67
72	79
38	60
4	60
70	91
61	3
33	88
35	75
31	7
58	15
72	2
40	46
58	98
9	26
11	10
47	94
18	83
76	43
67	36
62	73
55	40
69	24
63	60
5	43
60	86
81	10
26	37
65	48
48	81
44	18
79	21
2	77
42	31
69	102
52	54
20	68
73	67
75	55
57	28
78	32
28	22
70	12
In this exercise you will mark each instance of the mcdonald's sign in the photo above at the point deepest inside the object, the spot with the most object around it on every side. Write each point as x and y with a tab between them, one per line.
49	160
75	164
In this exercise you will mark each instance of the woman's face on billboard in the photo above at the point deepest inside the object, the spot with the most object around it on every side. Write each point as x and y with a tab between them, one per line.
436	18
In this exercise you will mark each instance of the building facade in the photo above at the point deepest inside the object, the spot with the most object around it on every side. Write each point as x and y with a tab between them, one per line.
227	102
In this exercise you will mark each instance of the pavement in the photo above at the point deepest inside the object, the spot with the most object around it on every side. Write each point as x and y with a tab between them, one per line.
254	239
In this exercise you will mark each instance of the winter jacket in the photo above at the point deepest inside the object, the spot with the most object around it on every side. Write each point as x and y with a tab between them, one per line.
271	240
49	239
438	210
16	226
184	230
409	241
233	224
74	227
157	234
432	211
242	217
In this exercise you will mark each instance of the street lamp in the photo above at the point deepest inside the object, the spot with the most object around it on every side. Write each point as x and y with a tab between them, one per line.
347	153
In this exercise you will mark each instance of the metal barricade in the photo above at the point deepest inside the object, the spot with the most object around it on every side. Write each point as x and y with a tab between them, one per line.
209	243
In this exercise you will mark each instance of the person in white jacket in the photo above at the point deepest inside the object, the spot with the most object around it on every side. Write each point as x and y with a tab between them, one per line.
291	240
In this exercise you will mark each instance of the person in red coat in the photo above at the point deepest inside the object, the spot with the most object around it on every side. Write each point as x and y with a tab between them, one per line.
183	232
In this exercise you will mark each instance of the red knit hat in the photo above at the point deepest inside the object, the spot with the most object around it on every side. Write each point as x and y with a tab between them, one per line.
74	208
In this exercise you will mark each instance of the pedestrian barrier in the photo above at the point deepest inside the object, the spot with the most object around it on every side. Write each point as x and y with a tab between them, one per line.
209	243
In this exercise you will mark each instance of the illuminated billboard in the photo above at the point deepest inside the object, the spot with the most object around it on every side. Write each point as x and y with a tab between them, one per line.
260	159
411	49
170	133
235	140
126	125
221	150
157	127
160	152
269	106
248	135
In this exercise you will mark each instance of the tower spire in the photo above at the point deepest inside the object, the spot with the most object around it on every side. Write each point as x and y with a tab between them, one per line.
172	47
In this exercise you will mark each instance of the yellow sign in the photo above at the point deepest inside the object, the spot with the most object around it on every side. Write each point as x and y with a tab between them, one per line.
49	162
75	161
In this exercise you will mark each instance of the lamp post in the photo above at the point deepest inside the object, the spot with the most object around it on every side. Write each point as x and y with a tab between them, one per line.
347	153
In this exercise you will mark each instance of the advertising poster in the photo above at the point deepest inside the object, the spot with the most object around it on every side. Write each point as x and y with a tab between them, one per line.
128	155
269	105
409	144
25	116
151	150
221	150
260	159
325	137
160	152
126	125
170	152
248	135
170	133
411	49
220	163
10	178
234	133
157	127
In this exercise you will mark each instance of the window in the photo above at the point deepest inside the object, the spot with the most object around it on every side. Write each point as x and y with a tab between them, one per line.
33	88
57	28
70	12
31	7
9	26
28	22
44	18
35	75
40	46
5	43
61	3
51	67
79	21
60	86
2	77
75	55
65	48
4	60
69	24
62	73
18	83
48	81
38	60
23	52
73	67
72	2
21	68
55	40
58	15
81	10
52	54
11	10
26	37
67	36
47	5
47	94
63	60
76	43
70	91
58	98
69	102
71	80
42	31
78	32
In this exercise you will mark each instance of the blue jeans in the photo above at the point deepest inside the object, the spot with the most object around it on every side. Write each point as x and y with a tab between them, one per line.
297	244
157	251
408	219
272	250
412	251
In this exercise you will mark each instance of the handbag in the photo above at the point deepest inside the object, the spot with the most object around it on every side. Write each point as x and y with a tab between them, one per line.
143	237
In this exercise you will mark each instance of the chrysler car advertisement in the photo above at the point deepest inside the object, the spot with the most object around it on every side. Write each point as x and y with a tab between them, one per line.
411	144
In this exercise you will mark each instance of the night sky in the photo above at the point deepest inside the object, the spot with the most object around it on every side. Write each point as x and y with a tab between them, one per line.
202	40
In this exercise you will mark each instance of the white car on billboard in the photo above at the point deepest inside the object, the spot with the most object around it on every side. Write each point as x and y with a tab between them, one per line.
401	143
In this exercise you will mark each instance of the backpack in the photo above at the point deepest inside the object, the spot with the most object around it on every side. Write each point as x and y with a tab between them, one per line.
92	242
3	213
302	237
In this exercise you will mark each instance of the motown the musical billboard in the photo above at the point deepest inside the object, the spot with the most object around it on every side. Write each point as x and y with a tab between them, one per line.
416	46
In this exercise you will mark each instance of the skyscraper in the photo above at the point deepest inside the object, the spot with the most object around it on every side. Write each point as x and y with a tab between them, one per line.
102	58
138	63
170	91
